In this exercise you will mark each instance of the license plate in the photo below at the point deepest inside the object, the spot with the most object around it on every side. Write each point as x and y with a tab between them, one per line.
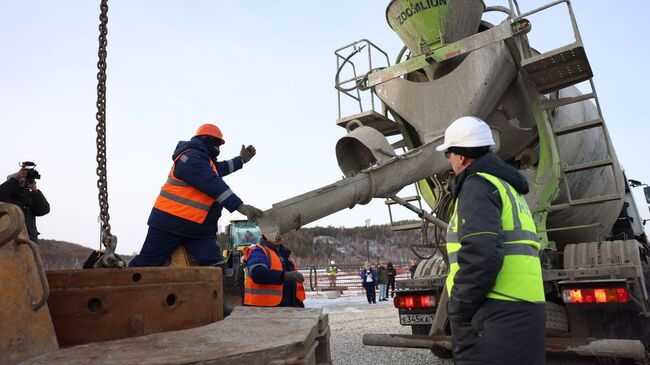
409	319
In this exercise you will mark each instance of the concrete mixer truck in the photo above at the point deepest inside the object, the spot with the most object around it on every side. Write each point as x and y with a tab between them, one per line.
455	63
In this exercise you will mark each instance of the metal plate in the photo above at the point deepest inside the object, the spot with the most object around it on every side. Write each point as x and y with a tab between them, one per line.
250	335
108	304
413	319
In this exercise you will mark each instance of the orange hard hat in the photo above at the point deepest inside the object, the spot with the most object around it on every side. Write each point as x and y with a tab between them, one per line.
210	130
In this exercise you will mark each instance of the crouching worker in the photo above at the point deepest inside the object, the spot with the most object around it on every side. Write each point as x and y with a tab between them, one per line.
273	279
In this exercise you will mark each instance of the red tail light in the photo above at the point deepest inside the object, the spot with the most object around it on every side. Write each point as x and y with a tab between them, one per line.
414	301
596	295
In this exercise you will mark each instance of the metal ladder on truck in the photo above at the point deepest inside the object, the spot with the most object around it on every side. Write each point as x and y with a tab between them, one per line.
558	69
352	88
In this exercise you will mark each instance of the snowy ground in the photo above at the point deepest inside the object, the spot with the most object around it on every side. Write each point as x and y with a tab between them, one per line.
351	316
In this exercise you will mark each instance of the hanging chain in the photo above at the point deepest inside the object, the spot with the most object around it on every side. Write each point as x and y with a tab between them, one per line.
102	182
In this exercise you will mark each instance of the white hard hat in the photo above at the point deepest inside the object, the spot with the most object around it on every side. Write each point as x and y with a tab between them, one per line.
332	262
467	132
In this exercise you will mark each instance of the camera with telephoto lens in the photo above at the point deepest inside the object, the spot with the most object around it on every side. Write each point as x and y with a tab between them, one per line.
30	168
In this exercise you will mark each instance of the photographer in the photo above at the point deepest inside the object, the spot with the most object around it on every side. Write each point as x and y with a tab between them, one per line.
20	189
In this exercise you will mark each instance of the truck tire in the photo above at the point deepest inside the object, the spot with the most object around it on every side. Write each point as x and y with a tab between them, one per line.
434	266
556	320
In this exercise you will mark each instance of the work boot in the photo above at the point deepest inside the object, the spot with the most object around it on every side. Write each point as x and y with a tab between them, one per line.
227	308
227	281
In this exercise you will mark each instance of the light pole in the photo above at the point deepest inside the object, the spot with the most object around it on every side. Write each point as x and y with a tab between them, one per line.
367	240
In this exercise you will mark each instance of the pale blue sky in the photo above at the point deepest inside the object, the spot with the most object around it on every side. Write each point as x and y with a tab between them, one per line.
262	71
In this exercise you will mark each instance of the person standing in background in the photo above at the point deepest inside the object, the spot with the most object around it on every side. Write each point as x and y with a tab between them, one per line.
413	267
382	280
369	281
20	189
392	273
332	271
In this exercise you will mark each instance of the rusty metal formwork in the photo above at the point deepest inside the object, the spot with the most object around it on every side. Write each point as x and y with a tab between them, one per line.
108	304
27	329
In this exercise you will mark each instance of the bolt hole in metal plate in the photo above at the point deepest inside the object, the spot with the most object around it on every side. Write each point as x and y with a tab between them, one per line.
129	307
94	305
171	300
136	277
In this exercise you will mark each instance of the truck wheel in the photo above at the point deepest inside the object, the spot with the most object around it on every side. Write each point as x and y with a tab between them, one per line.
434	266
556	319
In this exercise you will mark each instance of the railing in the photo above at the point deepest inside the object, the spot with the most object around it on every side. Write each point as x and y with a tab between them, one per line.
351	85
316	278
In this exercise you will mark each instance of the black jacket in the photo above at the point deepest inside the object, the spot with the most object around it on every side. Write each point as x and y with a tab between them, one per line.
390	270
479	210
33	204
483	328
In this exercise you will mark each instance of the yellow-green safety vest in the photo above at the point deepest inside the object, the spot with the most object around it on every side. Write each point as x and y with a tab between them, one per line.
520	277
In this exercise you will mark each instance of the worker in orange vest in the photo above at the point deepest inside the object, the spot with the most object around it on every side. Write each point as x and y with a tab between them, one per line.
190	202
273	279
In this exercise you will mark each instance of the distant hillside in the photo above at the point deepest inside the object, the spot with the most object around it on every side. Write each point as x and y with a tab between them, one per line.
317	245
312	246
59	255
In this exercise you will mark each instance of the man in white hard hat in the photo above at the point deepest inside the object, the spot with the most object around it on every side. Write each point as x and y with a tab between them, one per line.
496	299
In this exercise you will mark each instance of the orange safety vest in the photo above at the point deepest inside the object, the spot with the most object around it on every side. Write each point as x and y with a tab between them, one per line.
182	200
269	295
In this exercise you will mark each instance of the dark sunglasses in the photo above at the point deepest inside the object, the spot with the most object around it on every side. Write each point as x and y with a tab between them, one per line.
448	153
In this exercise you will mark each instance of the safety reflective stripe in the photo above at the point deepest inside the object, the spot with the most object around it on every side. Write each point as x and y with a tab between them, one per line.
520	277
187	202
225	195
513	203
264	295
231	166
181	199
508	249
508	236
263	291
177	182
515	298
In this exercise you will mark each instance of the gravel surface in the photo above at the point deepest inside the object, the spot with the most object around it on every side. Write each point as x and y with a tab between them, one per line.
351	316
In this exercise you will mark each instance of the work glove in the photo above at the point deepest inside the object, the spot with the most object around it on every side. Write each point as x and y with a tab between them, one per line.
293	276
249	211
247	153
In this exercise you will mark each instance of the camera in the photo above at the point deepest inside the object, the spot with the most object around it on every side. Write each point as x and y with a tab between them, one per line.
32	173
